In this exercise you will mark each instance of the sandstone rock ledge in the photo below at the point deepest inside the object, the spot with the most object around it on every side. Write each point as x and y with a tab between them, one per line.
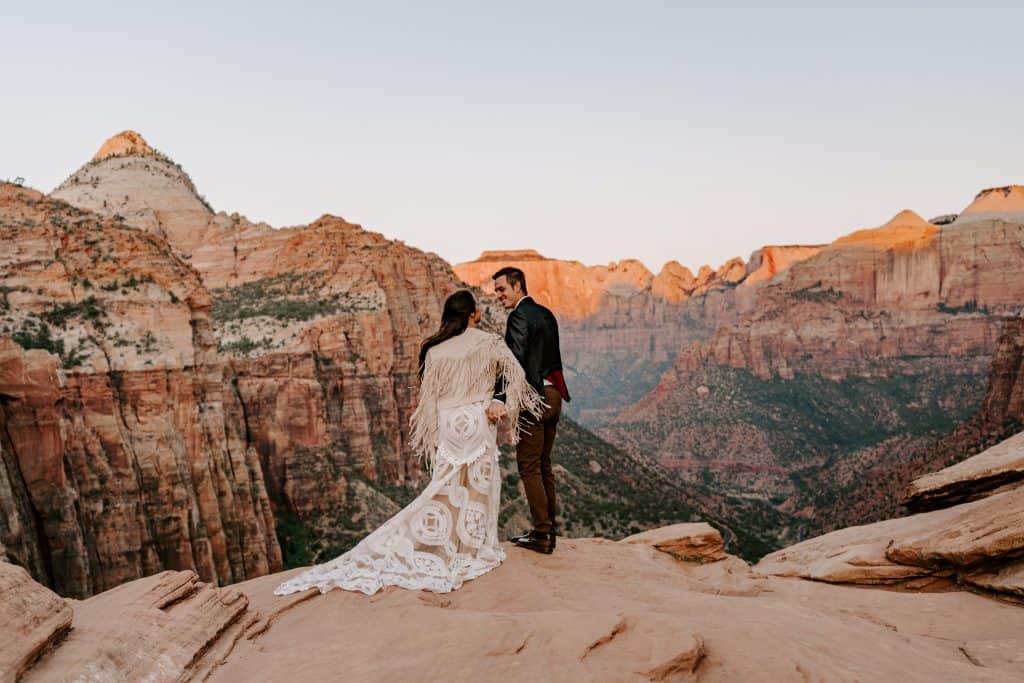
596	610
166	627
977	477
978	543
32	618
603	611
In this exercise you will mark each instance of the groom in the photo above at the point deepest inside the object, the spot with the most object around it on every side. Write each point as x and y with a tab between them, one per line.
532	334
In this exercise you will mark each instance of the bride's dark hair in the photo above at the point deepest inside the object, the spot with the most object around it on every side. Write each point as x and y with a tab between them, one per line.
454	320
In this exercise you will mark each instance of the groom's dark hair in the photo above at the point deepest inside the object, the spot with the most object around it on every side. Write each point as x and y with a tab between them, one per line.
513	275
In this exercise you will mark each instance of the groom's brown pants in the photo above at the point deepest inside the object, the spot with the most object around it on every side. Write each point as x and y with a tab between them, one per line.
533	456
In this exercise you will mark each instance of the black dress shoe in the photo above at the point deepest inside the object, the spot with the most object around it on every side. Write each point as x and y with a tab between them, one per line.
537	541
523	537
520	537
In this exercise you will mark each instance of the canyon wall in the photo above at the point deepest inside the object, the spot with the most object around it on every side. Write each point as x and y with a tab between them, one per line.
870	350
120	458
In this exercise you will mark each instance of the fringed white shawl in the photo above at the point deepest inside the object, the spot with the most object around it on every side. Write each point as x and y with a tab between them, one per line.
463	370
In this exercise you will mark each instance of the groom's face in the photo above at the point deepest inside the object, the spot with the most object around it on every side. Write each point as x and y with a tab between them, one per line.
508	294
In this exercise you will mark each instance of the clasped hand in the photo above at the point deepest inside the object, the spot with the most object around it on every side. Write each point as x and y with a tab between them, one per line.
496	411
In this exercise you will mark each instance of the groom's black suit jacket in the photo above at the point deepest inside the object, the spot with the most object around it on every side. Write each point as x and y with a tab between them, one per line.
532	334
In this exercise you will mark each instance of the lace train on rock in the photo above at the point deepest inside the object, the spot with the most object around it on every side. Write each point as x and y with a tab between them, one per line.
448	535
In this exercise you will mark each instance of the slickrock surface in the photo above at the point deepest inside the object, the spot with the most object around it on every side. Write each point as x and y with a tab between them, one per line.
977	543
167	627
1003	464
602	611
121	452
32	618
596	610
950	542
1008	578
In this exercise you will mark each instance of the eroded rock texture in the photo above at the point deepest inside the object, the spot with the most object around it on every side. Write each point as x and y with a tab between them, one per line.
821	399
120	457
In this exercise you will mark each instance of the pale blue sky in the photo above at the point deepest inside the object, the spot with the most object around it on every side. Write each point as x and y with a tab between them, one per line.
592	131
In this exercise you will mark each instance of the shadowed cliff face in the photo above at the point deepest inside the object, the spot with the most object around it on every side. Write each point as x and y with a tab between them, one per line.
119	458
853	361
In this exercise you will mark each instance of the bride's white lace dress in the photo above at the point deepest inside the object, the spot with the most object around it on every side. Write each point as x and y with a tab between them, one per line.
449	534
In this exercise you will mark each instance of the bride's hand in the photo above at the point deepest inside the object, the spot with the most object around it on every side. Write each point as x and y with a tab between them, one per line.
496	411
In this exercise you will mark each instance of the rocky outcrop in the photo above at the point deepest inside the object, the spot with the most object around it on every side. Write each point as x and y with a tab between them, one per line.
1001	465
167	627
120	454
976	543
767	262
695	542
958	543
1000	203
33	619
1004	398
126	143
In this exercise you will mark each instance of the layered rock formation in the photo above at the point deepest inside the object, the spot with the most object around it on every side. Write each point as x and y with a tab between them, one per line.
622	325
33	618
645	609
850	361
978	543
167	627
999	467
120	454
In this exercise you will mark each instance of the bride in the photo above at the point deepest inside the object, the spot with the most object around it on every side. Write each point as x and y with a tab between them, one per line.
449	534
